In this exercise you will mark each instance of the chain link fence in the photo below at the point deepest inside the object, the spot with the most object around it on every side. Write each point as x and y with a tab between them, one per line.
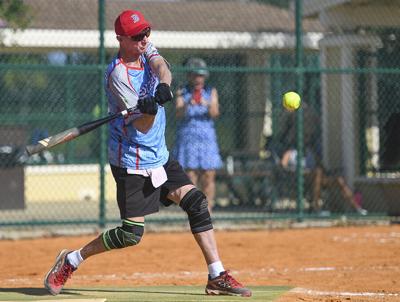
346	68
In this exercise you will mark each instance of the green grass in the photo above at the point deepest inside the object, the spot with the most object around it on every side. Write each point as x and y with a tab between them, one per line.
142	293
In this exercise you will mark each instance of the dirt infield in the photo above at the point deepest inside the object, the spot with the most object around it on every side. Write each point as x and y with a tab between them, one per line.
321	264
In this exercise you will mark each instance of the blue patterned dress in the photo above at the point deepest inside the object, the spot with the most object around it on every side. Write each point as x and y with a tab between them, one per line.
196	145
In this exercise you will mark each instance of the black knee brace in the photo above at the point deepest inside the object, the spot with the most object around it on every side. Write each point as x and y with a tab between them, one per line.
194	203
129	234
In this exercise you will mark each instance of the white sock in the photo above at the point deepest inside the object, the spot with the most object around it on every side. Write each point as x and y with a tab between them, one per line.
215	268
74	258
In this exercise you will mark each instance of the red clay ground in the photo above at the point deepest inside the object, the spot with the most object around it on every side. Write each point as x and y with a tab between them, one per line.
363	262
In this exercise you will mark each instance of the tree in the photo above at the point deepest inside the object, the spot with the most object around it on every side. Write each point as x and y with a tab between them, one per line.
14	14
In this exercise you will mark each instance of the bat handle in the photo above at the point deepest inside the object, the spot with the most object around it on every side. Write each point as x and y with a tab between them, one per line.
127	111
33	149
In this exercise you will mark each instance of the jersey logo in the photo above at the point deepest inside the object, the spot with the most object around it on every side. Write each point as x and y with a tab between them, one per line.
135	18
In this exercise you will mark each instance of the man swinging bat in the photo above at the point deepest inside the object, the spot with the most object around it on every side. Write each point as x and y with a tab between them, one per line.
138	77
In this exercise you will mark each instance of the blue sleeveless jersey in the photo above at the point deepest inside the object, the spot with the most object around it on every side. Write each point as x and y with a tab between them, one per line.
128	147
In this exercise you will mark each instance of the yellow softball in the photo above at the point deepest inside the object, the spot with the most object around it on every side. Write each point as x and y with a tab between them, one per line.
291	101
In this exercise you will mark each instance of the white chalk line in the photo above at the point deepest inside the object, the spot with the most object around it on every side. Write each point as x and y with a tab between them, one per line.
198	274
311	292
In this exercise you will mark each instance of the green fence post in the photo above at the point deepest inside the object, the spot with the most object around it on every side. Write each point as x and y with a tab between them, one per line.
299	114
103	138
70	110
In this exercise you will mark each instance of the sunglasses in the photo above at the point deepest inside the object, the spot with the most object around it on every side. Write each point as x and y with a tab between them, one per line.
141	36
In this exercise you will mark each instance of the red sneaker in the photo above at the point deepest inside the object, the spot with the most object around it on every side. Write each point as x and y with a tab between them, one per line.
225	284
58	274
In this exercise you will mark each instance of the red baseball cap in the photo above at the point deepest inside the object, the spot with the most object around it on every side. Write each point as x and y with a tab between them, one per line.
130	23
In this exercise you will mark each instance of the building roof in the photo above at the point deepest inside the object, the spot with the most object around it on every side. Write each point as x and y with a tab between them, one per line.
177	24
347	15
313	7
169	15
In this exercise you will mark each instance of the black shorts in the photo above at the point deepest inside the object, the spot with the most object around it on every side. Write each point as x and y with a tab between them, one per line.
136	195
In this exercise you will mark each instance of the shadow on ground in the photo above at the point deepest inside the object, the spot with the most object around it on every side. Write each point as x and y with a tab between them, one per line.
31	291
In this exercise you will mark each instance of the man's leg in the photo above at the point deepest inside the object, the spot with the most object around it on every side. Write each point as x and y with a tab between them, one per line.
208	245
97	245
194	203
129	234
133	192
205	239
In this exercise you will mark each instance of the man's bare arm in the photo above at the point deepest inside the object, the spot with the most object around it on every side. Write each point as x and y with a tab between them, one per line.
160	67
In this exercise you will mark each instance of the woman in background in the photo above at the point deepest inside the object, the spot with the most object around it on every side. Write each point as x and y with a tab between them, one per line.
196	146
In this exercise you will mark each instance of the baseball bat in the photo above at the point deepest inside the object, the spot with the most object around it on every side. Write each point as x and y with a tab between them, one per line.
72	133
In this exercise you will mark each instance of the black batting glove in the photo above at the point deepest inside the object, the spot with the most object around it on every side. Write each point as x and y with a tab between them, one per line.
147	105
163	93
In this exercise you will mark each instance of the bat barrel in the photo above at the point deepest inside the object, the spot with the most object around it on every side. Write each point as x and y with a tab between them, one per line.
72	133
52	141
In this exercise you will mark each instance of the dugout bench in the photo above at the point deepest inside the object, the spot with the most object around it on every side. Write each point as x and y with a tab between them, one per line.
252	183
381	194
245	181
